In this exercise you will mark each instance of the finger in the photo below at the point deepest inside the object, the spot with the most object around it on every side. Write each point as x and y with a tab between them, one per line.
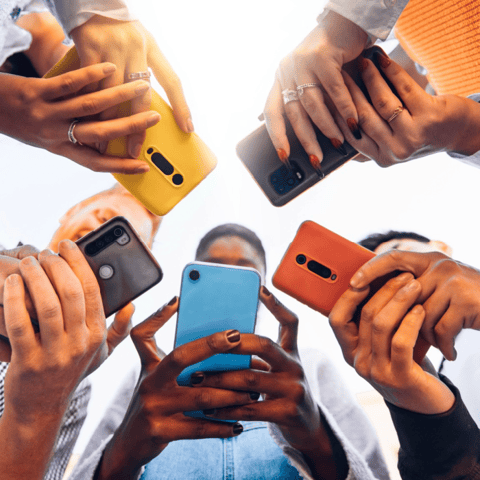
172	85
94	313
143	333
72	82
198	350
259	364
17	321
120	327
341	321
287	319
45	300
68	288
389	318
21	252
388	262
275	123
404	340
435	306
94	103
194	428
274	411
5	348
445	332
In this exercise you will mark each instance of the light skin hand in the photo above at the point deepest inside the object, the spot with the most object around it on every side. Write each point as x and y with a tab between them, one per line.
39	111
318	59
381	346
133	49
155	416
450	292
428	123
288	402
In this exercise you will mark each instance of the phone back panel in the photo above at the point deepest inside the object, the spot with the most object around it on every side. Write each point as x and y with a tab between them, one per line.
134	268
223	298
317	244
178	161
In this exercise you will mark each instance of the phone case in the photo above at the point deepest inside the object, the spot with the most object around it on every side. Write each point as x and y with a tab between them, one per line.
222	298
124	266
178	161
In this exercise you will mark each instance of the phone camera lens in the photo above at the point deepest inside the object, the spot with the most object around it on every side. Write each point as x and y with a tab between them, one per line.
100	243
334	277
91	250
150	151
301	259
194	275
109	239
177	179
118	232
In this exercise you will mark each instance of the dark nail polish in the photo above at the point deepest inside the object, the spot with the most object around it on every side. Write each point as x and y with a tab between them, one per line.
172	301
383	60
233	336
209	411
196	378
338	145
362	64
266	291
237	429
353	126
254	395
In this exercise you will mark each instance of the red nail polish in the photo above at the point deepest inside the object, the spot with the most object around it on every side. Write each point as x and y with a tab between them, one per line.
353	126
282	155
362	64
383	60
314	161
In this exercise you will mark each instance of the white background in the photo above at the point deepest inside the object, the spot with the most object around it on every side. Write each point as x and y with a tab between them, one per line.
226	55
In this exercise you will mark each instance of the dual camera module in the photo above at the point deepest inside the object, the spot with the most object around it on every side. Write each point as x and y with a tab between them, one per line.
316	268
115	234
165	166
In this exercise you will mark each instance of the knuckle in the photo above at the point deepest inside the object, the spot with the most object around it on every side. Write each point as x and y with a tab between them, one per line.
179	357
264	344
308	101
292	412
200	430
399	345
378	326
382	103
297	392
294	116
203	399
50	311
250	379
91	289
215	343
368	314
89	106
67	85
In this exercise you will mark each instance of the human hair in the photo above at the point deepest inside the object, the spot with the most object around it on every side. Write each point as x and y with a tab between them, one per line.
231	230
372	242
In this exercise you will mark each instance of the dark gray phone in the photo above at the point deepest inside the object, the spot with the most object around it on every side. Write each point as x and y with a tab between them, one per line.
124	266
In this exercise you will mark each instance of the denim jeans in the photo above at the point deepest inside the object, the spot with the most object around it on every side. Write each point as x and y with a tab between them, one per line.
253	455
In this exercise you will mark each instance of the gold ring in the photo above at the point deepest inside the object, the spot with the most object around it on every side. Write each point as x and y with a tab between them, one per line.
396	113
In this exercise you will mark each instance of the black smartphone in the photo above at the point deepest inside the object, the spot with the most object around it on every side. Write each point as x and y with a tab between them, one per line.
281	184
122	263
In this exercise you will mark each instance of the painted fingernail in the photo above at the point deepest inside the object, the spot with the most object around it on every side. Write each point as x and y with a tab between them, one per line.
356	280
362	64
314	161
237	429
383	60
353	126
266	291
196	378
110	68
338	145
142	169
233	336
190	125
282	155
142	88
209	411
173	300
254	395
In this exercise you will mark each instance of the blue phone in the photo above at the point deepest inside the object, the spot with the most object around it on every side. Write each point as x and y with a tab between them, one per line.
214	298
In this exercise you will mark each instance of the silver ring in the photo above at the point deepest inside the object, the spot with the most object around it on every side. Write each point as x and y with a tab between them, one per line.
396	113
139	76
71	134
289	96
301	88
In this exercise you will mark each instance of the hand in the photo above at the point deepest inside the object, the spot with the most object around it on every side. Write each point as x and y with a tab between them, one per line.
427	124
450	292
37	111
380	347
279	376
133	49
318	59
155	416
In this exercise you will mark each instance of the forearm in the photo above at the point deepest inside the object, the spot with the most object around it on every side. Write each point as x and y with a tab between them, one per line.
467	139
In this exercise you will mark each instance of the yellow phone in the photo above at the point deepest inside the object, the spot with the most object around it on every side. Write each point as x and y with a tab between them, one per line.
178	161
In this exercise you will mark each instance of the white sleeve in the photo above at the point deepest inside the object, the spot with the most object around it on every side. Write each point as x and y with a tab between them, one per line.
376	17
346	419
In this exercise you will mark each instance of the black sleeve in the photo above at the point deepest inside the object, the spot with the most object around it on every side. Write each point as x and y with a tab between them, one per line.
438	447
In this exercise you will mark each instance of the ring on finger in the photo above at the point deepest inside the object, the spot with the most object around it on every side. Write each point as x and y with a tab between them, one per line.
71	132
289	96
301	88
139	76
396	113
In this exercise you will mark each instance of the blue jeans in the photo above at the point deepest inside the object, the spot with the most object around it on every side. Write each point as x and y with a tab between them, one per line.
253	455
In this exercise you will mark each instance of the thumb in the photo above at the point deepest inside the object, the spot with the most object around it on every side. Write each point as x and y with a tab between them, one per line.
120	327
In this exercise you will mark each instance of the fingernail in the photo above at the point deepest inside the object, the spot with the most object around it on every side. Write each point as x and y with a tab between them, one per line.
254	395
266	291
338	145
314	161
261	117
13	279
29	261
196	378
383	60
282	155
68	243
142	88
403	277
102	148
142	169
135	151
110	68
417	309
237	429
355	281
412	285
172	301
233	336
362	64
353	126
153	118
455	354
190	125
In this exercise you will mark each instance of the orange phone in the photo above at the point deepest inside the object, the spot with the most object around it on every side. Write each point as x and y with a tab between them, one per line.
317	268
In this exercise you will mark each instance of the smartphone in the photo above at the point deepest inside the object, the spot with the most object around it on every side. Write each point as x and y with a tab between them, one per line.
214	298
280	184
122	263
178	161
